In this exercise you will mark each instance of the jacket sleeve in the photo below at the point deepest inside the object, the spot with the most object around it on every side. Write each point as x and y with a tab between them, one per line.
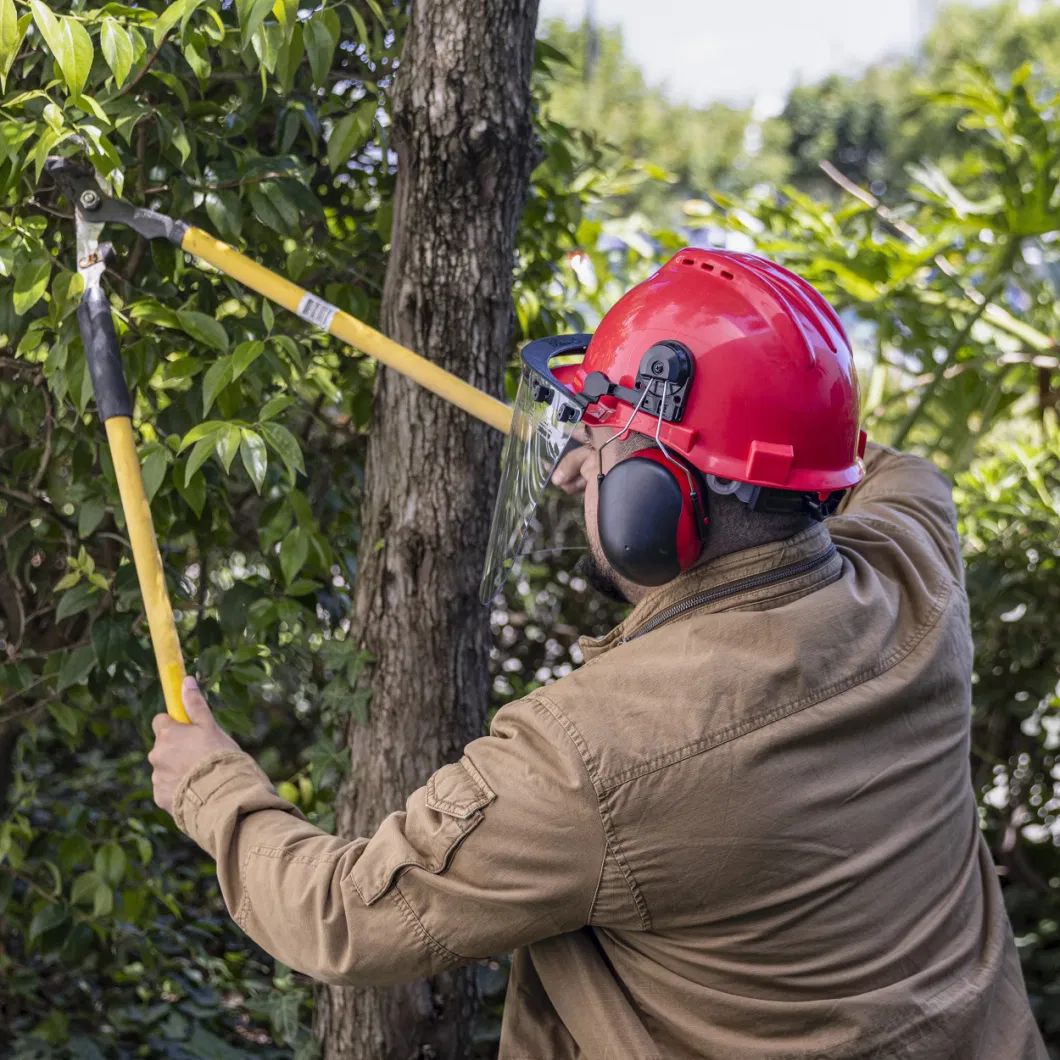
500	849
912	496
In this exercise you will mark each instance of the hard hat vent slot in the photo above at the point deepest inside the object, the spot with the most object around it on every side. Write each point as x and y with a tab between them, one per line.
687	261
706	265
726	275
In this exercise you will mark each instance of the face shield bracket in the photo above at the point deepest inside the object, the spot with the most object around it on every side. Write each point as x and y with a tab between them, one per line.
666	372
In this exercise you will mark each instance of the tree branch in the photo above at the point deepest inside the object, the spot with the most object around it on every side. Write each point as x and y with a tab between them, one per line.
47	455
143	70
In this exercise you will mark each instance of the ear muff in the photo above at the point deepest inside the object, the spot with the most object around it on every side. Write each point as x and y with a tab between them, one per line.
648	520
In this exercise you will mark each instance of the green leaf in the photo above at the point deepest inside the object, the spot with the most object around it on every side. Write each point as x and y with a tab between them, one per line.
154	471
207	1046
117	49
201	430
10	39
293	553
103	904
177	12
217	377
228	446
350	134
110	639
255	459
74	850
282	203
235	607
83	892
77	665
251	15
286	446
203	329
244	355
274	406
199	455
193	492
79	598
266	212
110	862
7	888
93	509
65	717
47	918
320	45
69	43
225	211
30	284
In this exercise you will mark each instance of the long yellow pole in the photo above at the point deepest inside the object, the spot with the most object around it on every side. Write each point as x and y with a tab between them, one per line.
148	563
351	330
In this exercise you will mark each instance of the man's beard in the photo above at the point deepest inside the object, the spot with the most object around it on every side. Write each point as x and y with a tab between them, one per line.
599	577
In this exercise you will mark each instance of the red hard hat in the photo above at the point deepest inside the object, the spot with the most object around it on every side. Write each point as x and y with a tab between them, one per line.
773	399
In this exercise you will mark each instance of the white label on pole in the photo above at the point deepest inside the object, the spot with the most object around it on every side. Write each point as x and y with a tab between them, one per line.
316	311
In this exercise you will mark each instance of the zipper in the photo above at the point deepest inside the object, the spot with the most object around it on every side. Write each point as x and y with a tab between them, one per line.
759	581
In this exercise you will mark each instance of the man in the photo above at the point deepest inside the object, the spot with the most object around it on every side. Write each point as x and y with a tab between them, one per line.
745	827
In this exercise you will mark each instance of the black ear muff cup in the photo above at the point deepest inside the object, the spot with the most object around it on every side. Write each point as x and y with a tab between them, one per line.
639	509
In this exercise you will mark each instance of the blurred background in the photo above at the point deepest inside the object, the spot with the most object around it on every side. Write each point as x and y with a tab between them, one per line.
903	157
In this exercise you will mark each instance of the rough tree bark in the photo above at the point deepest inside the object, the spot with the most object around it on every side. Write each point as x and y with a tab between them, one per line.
462	129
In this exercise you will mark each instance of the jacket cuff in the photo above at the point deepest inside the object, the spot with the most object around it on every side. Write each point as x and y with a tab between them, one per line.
206	779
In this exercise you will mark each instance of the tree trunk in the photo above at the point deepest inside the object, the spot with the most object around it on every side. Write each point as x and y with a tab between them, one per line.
462	130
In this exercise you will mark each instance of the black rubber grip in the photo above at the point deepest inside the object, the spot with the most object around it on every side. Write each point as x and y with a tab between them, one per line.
104	358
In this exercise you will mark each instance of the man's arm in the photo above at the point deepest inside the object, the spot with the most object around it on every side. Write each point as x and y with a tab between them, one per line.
500	849
910	494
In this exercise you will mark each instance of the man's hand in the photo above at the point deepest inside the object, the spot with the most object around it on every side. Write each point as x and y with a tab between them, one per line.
570	472
179	747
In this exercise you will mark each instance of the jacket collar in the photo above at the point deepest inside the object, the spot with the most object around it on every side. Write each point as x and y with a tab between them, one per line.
719	574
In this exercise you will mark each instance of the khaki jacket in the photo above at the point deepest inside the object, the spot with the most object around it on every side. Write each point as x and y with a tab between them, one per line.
744	829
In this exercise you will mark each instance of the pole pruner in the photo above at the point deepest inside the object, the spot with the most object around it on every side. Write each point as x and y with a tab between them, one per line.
94	208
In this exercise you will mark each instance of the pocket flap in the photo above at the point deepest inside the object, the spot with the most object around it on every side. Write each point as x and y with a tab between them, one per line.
438	818
458	789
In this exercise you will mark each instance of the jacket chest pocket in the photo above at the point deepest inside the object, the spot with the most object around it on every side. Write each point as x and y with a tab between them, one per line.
437	819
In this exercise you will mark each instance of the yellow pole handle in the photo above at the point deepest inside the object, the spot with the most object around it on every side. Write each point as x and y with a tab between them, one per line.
351	330
148	563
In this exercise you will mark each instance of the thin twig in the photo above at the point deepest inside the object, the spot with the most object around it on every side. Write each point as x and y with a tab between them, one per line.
19	366
129	271
283	175
997	282
37	204
885	212
201	594
143	70
47	455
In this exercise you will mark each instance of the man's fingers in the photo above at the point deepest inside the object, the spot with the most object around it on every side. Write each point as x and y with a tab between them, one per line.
195	704
162	723
568	474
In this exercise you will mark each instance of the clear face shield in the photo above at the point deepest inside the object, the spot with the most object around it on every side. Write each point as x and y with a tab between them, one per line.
545	416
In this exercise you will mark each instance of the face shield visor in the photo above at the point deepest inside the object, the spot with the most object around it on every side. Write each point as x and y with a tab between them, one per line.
544	418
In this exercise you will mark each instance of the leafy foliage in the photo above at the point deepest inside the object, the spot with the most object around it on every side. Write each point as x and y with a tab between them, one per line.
265	125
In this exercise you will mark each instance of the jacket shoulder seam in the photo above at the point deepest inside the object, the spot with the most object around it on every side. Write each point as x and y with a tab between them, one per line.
611	844
722	736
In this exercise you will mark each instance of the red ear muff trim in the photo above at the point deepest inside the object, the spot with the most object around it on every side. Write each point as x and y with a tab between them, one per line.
648	520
